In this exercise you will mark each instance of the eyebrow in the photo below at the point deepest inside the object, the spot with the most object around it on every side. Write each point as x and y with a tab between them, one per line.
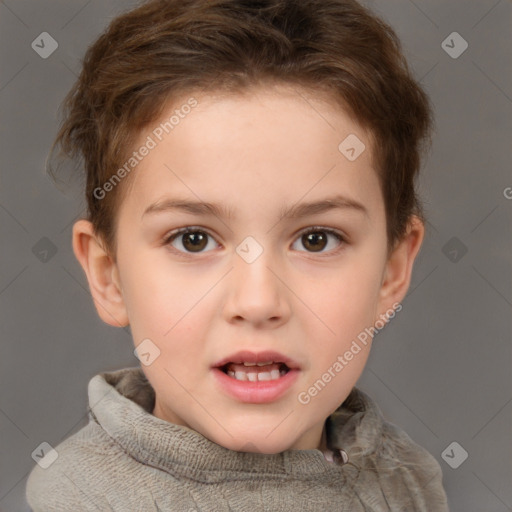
296	211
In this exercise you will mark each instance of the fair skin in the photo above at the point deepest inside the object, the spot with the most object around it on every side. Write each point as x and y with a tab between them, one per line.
256	155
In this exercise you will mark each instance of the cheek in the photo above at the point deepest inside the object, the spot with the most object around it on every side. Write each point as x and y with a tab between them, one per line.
152	302
168	308
348	298
347	311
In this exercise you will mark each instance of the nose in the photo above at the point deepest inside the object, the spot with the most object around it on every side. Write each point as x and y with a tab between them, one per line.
257	293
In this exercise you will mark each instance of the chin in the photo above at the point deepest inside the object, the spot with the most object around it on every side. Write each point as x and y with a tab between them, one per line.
262	446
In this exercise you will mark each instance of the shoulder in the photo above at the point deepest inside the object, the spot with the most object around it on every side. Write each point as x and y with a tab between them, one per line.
72	481
392	470
410	471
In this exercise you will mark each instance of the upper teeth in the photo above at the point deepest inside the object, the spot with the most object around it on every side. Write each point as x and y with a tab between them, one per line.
255	377
258	364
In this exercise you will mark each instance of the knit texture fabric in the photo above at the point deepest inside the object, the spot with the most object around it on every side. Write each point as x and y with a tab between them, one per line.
126	459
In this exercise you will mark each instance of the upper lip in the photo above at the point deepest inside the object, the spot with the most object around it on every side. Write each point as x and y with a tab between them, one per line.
257	357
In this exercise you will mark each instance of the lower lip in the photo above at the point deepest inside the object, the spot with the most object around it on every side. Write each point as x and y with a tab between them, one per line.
256	392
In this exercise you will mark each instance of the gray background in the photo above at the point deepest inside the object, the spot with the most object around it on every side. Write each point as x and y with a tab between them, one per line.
441	370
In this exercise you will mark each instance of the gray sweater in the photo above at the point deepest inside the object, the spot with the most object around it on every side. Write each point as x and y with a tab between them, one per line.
125	459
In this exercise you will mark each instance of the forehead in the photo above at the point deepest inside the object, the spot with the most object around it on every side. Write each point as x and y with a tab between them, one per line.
280	116
268	145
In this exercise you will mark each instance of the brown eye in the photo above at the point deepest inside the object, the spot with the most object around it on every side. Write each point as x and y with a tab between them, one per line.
317	239
190	240
314	241
195	241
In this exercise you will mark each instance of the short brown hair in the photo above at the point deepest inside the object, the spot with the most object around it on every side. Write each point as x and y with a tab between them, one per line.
166	48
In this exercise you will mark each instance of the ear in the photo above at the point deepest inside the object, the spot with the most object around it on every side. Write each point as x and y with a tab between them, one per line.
102	274
398	270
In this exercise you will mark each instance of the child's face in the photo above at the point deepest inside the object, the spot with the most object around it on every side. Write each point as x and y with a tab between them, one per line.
203	297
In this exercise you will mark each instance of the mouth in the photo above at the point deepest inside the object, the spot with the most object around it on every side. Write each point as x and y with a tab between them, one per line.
256	367
256	378
255	372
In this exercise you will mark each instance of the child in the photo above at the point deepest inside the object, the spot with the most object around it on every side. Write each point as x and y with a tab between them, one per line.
252	217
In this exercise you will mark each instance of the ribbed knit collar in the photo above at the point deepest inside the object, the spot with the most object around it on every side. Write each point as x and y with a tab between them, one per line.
121	402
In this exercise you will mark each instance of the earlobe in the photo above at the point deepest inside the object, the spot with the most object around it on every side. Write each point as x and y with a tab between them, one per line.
102	274
398	271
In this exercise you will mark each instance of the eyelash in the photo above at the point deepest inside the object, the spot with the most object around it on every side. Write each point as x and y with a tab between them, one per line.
194	229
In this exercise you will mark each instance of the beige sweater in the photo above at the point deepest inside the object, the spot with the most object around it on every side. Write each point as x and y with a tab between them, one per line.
126	460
